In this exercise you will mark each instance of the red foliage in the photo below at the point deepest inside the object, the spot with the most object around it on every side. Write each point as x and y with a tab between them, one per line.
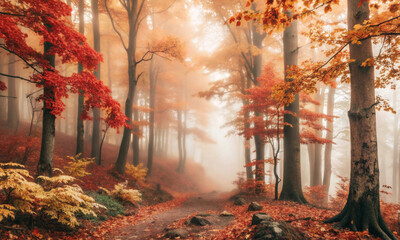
47	21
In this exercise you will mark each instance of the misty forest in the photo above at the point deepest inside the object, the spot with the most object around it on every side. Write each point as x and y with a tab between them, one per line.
199	119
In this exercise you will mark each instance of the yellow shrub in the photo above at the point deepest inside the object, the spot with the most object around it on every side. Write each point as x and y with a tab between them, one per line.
138	173
125	194
53	197
77	166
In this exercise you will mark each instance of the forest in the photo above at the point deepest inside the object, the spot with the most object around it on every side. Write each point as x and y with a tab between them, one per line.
199	119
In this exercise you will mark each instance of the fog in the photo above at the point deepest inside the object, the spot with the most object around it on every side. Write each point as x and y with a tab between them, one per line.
195	59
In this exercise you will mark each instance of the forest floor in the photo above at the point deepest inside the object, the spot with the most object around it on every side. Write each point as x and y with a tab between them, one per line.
171	200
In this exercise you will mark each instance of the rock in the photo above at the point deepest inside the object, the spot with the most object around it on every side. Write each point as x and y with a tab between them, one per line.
239	201
254	206
259	217
203	214
199	221
226	214
271	230
177	233
130	212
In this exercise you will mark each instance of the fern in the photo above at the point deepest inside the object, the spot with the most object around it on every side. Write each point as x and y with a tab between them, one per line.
55	198
136	173
77	166
125	194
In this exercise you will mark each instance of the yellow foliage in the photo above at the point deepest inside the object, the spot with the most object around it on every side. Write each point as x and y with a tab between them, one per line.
50	197
137	173
77	166
125	194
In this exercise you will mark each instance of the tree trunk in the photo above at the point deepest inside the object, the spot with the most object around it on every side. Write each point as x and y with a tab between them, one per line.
328	146
184	151
318	147
13	107
311	161
258	141
131	51
3	100
96	111
45	165
80	127
291	189
362	210
395	148
150	149
179	119
135	139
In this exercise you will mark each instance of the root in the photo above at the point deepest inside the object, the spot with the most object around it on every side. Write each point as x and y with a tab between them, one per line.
375	224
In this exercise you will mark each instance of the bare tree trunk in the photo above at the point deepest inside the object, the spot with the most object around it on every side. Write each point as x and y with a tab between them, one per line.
3	100
131	51
96	111
311	161
45	165
135	139
258	141
328	146
291	189
179	119
13	107
362	210
150	149
80	128
395	148
318	147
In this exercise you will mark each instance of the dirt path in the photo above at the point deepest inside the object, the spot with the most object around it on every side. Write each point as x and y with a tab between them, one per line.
154	225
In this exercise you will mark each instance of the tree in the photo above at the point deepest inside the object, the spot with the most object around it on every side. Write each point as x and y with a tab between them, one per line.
80	129
48	21
134	10
96	112
13	109
291	188
362	210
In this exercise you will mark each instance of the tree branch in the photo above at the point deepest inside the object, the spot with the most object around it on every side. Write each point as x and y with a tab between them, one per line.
17	77
114	27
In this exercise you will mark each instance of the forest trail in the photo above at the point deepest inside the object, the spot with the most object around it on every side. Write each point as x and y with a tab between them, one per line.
154	225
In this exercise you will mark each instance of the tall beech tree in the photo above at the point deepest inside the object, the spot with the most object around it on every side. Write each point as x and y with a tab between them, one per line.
362	210
96	112
48	21
133	9
291	188
80	129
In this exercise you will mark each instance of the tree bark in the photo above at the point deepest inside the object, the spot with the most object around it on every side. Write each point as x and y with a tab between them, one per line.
291	189
96	111
135	137
80	127
3	100
13	107
258	141
395	149
328	146
362	210
179	119
45	165
150	149
131	51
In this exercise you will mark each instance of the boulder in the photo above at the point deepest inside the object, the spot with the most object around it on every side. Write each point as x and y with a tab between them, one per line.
259	217
254	206
226	214
199	221
239	201
177	233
